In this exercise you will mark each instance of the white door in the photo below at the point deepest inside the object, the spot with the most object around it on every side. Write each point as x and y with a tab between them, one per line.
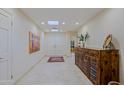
56	43
5	46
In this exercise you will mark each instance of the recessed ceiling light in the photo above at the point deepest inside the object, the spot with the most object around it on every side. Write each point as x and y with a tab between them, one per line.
42	23
77	23
63	23
53	22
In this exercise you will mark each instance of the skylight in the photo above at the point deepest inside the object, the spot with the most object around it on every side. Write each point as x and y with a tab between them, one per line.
53	22
54	30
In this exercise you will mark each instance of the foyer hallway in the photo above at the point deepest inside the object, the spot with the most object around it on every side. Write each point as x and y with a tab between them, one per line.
60	73
28	34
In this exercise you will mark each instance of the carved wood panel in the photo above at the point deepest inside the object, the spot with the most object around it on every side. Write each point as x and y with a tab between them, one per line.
100	66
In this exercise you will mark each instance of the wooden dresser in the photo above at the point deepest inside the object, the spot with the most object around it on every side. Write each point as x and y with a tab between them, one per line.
100	66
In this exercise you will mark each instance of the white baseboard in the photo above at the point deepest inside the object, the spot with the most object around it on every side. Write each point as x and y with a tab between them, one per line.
7	82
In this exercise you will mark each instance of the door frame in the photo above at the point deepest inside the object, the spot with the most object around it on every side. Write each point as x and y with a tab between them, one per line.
10	78
46	44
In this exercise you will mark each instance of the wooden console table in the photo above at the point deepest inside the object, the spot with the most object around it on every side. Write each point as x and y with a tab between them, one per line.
100	66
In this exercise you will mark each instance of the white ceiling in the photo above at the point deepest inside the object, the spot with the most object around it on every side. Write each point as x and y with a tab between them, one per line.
68	15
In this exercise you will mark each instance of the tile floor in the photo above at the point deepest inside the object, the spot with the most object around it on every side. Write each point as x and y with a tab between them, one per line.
61	73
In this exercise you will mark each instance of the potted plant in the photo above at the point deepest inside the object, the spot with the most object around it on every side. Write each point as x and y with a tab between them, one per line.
83	39
86	37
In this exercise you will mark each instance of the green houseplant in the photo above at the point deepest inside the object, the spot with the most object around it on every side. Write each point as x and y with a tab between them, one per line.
86	36
83	39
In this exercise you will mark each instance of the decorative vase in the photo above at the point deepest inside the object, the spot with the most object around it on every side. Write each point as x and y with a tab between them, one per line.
82	44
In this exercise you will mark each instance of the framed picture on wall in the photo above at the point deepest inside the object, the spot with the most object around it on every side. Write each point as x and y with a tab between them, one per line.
34	42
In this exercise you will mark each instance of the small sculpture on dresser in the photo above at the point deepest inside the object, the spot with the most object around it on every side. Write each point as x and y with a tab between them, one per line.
108	43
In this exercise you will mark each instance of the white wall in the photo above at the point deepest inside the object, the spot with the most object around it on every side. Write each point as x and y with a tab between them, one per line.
22	60
110	21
